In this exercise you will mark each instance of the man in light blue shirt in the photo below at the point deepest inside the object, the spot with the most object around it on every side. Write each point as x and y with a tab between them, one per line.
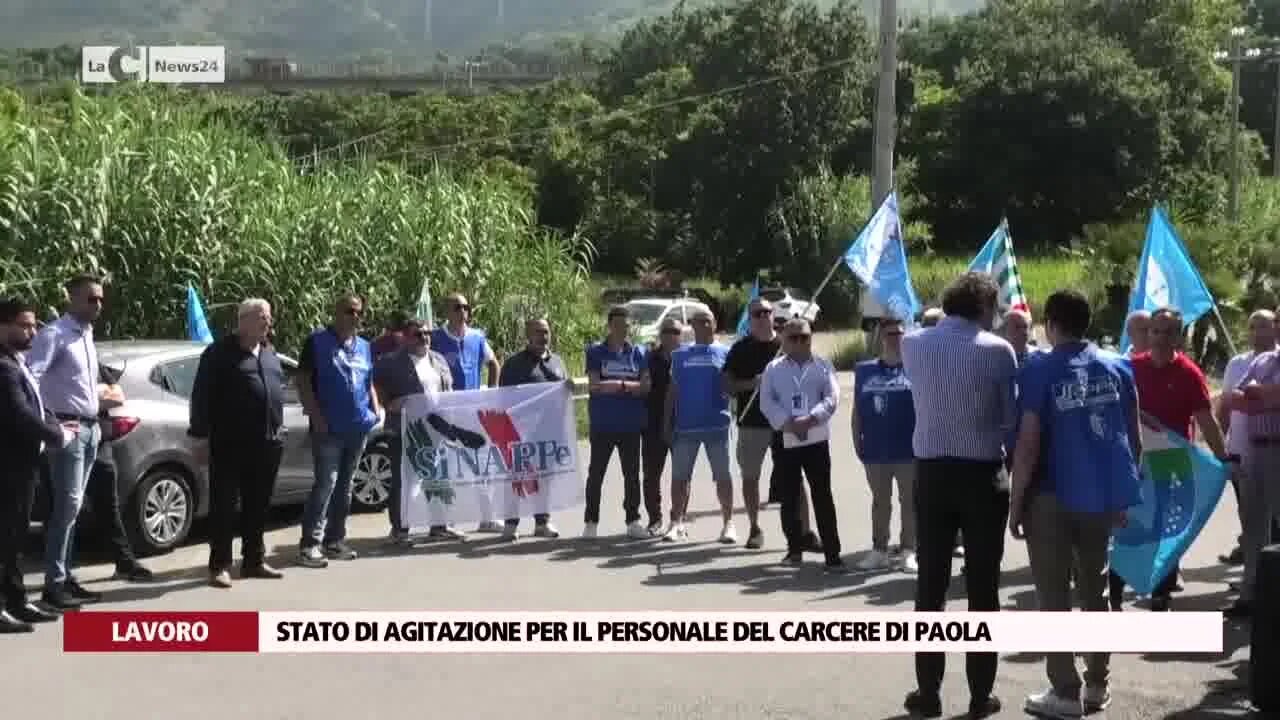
698	413
64	361
1075	474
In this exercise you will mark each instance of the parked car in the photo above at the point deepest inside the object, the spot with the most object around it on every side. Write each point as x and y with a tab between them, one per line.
788	302
163	490
647	315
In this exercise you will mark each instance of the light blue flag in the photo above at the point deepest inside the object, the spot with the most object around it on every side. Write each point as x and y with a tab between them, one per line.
878	258
1167	277
1181	486
197	324
744	320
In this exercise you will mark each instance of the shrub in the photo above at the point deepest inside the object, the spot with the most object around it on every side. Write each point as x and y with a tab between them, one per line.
145	190
851	349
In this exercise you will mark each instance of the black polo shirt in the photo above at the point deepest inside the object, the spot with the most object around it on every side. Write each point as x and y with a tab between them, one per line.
525	367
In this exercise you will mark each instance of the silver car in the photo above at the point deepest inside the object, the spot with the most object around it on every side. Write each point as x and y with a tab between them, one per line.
162	489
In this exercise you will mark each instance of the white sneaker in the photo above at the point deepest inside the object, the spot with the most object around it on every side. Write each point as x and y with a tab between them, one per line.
448	532
590	531
1049	704
729	535
312	557
490	526
1096	698
546	530
675	532
874	560
637	531
909	563
510	532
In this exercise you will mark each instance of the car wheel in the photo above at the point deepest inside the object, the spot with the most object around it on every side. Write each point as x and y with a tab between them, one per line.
371	482
162	510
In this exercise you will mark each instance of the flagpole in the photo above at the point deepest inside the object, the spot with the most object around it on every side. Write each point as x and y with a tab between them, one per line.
1231	345
755	392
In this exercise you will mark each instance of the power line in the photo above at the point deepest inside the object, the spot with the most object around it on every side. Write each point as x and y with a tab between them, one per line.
612	114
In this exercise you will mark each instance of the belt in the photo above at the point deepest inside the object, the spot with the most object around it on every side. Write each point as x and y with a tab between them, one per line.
75	418
1265	441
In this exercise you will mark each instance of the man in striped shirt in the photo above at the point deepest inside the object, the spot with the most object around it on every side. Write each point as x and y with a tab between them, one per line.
1258	397
962	379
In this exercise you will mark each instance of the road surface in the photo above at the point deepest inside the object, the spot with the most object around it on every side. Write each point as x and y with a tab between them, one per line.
570	574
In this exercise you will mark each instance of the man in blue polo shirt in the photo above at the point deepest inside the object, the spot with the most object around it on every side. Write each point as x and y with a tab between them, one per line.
618	381
884	420
1075	474
468	353
336	389
698	413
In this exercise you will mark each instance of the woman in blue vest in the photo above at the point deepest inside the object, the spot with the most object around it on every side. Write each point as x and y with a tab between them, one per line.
467	351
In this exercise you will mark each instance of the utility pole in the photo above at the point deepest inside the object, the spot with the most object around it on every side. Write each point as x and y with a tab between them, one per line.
1237	55
886	120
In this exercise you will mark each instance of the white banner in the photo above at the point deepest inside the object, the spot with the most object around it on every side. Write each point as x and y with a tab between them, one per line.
491	454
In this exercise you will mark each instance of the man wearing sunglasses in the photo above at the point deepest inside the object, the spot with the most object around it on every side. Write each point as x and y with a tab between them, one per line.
654	445
336	388
64	361
799	395
468	352
414	369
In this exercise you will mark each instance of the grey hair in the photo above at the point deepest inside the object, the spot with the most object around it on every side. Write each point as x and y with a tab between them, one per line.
1137	314
253	306
1264	313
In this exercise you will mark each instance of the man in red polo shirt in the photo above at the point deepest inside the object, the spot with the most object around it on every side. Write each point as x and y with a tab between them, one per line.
1172	394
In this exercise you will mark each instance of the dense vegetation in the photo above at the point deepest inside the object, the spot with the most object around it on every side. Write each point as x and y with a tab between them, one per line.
726	142
329	31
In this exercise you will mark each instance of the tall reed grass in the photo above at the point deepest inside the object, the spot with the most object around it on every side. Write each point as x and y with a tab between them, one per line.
155	195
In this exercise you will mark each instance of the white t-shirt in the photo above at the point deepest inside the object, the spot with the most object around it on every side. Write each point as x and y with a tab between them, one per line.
1238	431
427	374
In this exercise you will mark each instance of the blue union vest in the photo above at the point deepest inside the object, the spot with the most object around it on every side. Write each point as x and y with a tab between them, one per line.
466	358
342	383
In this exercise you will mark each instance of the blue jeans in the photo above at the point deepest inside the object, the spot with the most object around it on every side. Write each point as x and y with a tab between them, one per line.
334	458
684	455
69	469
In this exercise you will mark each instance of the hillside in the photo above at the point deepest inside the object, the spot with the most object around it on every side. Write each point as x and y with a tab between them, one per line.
332	31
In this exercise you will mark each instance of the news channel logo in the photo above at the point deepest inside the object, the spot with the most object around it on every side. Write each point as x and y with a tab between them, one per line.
172	64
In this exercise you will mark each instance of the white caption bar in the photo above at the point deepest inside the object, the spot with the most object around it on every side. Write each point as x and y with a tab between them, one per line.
736	632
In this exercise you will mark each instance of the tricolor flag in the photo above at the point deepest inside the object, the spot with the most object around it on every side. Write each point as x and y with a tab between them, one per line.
423	309
996	258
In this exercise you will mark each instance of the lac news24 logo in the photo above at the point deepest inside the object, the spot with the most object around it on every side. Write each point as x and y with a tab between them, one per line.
174	64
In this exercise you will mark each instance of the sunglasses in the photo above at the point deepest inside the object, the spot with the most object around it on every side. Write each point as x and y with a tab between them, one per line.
761	313
353	312
462	308
670	331
798	338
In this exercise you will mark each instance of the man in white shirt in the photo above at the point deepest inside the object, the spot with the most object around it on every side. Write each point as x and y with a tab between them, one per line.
798	395
1262	337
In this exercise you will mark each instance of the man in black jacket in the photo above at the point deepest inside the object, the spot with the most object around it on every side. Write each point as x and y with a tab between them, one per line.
25	430
237	416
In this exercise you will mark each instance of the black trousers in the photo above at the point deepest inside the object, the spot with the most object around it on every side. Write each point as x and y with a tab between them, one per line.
654	451
970	496
17	491
811	462
247	473
602	447
104	495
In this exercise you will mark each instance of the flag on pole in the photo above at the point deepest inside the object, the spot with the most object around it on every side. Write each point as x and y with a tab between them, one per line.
197	323
744	320
997	259
1181	486
878	258
1167	277
423	309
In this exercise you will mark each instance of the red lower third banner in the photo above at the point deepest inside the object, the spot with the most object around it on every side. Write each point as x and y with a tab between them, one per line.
230	632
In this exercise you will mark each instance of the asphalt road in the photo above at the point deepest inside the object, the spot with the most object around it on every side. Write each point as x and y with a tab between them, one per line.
567	574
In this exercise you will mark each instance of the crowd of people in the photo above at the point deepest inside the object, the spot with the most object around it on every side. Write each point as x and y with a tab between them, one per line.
980	431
